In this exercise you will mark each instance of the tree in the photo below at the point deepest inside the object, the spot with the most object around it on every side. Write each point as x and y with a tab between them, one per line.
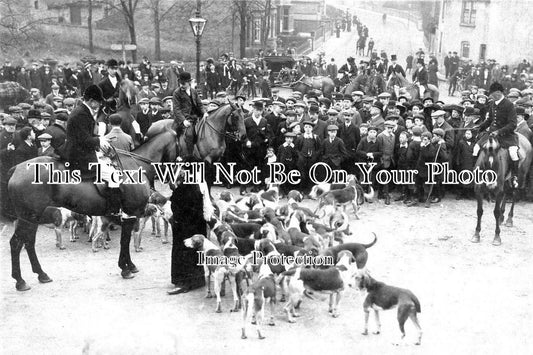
265	23
159	14
19	30
128	8
90	26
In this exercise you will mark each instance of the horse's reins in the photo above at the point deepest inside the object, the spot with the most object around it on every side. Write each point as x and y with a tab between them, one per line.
225	134
133	155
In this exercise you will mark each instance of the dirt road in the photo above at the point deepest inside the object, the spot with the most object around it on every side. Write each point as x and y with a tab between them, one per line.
475	298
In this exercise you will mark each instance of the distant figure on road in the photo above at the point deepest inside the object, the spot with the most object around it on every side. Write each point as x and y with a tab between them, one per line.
370	47
384	17
409	61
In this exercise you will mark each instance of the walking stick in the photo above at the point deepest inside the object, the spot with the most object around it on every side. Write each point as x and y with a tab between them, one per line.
431	186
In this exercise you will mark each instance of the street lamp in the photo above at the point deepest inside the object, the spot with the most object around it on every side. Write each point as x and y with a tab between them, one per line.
197	26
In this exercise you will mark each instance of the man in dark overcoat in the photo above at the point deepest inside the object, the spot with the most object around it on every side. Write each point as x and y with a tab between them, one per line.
188	109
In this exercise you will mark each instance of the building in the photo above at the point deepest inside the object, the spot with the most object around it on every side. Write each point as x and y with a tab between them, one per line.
67	12
485	29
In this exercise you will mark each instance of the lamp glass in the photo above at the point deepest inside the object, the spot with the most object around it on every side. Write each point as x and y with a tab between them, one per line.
197	25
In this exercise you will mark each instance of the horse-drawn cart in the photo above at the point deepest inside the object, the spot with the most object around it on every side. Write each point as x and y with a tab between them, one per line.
282	69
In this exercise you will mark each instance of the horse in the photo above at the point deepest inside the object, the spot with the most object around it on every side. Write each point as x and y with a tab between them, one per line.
211	132
306	83
359	83
31	192
495	158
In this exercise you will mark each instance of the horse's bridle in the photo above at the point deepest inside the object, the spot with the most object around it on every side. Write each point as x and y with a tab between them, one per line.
226	134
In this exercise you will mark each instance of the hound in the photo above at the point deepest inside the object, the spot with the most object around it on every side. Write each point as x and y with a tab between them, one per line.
382	296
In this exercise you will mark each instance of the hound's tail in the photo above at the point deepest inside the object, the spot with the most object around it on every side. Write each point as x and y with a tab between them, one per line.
374	242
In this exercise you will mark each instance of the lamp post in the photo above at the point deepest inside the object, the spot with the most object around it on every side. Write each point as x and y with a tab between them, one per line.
197	25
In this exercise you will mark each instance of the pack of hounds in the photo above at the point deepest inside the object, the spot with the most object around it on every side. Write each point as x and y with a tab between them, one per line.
258	222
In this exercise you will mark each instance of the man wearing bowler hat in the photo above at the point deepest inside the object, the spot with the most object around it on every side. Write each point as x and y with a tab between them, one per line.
188	109
110	85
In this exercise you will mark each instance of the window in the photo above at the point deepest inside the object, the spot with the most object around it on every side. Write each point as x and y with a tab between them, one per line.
256	30
465	49
285	20
483	52
468	15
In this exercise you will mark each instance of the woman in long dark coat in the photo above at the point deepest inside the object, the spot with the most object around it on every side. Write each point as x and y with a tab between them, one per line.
189	218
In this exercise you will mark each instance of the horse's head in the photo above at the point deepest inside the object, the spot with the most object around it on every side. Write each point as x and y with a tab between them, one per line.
492	158
236	121
128	93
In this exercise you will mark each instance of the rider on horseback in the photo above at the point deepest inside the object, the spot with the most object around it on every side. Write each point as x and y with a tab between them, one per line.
82	141
501	123
188	109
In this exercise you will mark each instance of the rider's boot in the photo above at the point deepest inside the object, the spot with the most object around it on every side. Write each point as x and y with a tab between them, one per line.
514	174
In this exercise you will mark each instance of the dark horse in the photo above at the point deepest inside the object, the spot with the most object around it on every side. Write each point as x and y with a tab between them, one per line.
494	158
322	83
31	199
211	133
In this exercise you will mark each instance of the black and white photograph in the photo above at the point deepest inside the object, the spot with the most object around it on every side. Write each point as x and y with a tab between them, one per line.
266	176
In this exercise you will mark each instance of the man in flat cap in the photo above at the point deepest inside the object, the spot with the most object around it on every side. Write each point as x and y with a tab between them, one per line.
7	161
188	109
501	124
333	151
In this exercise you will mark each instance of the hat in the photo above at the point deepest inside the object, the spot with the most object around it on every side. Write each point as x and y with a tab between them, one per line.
300	104
294	124
419	116
297	95
258	105
44	136
155	101
240	96
313	109
58	98
14	109
275	90
513	95
379	105
467	99
393	57
221	94
93	92
144	100
389	123
438	113
347	113
427	135
372	128
266	102
358	93
44	115
167	98
428	99
308	122
24	106
438	131
384	95
156	85
111	63
332	127
185	76
495	86
520	110
278	103
420	61
392	117
481	96
290	113
290	134
10	121
60	110
347	97
287	101
417	131
55	87
527	91
368	99
465	93
34	114
471	111
525	102
205	102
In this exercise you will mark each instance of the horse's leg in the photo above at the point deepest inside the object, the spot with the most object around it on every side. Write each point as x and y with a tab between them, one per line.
510	216
124	259
29	245
16	243
479	198
497	216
